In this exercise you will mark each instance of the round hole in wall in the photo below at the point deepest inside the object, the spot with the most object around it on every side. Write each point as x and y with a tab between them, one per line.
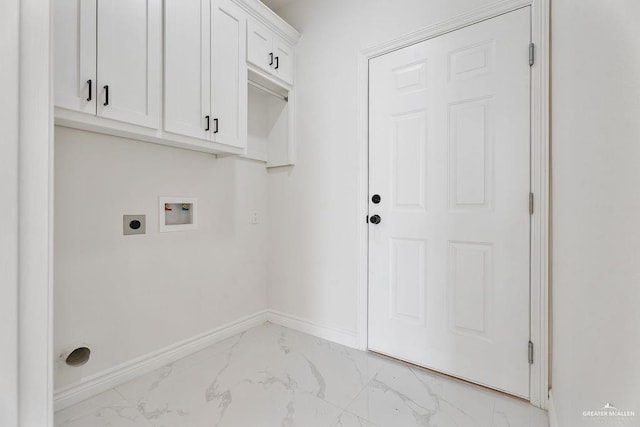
78	357
135	224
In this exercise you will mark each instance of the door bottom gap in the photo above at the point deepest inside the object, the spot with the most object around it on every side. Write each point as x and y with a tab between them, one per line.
442	374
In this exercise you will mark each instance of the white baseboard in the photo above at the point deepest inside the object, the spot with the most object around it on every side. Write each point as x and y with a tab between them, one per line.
120	374
127	371
553	414
345	338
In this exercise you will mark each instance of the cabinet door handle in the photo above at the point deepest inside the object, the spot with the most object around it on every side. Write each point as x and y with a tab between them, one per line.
90	85
215	122
271	58
208	122
106	95
277	62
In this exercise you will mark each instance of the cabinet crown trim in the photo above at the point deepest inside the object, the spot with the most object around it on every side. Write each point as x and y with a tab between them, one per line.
270	19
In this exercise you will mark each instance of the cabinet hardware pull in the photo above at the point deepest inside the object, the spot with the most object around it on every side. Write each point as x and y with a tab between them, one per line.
106	95
90	96
271	58
208	122
215	122
277	62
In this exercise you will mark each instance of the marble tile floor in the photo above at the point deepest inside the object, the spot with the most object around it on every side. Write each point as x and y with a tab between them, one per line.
273	376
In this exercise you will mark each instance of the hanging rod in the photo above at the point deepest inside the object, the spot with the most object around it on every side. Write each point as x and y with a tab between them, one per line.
269	91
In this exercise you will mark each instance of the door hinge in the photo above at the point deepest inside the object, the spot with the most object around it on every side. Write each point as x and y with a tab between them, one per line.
367	219
531	54
530	203
530	353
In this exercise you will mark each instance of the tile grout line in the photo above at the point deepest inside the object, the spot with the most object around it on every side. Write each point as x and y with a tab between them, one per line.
124	397
366	385
493	412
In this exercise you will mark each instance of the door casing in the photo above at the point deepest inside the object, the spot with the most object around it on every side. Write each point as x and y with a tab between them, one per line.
540	174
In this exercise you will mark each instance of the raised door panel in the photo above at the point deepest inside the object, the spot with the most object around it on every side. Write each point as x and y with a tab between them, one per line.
187	73
470	155
260	46
283	66
228	74
74	61
129	61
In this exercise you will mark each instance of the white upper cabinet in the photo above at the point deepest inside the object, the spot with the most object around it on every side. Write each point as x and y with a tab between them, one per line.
74	62
269	52
172	72
129	61
205	71
283	67
187	62
107	59
228	74
259	45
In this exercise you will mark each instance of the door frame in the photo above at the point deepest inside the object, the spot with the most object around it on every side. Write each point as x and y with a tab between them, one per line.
540	174
26	292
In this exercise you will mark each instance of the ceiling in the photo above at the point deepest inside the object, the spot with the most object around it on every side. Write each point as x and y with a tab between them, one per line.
277	4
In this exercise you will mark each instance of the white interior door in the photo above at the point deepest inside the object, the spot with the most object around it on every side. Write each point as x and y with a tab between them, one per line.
187	67
449	158
129	61
228	74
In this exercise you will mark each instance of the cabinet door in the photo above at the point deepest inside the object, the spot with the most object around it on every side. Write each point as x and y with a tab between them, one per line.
228	73
129	60
74	61
283	67
259	46
187	73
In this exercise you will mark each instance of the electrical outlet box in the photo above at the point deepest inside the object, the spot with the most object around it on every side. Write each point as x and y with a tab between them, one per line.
255	217
134	224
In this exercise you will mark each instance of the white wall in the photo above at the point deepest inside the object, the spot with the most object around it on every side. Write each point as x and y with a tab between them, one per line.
126	296
314	206
9	72
596	207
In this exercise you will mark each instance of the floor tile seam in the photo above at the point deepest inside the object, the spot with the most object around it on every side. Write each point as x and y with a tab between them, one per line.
493	412
340	409
362	390
125	398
